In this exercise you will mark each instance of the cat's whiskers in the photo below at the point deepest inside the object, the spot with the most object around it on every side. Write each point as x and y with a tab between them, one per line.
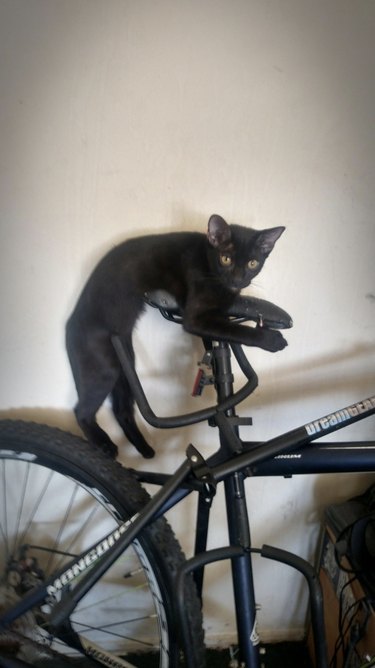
254	284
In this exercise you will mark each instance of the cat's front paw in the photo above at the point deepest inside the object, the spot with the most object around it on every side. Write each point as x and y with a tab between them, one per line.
272	340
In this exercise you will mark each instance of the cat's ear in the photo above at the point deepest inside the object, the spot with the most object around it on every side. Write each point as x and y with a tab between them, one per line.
267	238
218	233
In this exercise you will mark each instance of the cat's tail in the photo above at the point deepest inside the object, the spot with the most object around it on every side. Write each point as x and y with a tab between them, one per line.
123	409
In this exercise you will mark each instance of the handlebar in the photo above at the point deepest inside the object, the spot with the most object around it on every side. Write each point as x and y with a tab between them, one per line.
187	418
243	308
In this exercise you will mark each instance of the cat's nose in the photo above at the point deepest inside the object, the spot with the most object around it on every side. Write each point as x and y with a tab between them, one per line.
239	285
240	280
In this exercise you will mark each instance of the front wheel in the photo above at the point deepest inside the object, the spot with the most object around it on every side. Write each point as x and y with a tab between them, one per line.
59	496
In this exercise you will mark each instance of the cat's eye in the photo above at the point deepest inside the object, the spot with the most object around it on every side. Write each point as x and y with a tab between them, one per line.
225	260
252	264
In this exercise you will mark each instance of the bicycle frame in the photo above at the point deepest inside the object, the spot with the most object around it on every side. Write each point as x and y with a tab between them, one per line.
284	455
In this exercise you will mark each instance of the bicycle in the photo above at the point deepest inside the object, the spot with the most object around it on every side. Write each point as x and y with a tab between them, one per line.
110	580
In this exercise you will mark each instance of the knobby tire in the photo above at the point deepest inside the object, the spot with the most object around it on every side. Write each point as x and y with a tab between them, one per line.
58	495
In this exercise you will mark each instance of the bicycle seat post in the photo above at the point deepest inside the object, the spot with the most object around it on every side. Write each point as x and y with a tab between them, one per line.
223	375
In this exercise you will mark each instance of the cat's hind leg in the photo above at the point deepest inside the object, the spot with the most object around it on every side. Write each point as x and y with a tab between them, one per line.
123	409
95	371
85	411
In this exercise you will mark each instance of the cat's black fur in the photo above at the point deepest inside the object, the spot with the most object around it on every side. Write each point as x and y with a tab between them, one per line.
203	272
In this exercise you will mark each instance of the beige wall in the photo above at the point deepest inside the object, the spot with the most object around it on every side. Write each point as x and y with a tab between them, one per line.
120	117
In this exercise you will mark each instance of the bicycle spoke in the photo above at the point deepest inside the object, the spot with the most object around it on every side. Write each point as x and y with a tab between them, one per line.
62	527
105	629
20	509
108	599
4	524
82	529
36	506
29	519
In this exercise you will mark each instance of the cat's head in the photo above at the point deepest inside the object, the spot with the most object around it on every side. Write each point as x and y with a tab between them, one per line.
236	253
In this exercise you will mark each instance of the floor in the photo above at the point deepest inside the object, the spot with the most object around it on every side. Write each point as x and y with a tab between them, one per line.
281	655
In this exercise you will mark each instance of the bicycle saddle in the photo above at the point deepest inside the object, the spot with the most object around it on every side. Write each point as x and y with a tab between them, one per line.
264	313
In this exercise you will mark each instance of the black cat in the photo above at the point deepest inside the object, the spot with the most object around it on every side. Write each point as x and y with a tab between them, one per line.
203	272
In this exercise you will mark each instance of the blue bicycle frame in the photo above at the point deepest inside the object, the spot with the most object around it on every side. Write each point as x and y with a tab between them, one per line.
292	453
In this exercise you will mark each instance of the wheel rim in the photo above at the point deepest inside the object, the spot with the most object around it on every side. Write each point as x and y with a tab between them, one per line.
57	517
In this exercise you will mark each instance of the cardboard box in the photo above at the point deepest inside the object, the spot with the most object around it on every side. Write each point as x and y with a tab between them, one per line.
341	592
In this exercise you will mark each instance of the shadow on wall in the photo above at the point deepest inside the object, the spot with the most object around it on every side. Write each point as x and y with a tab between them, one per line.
297	379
